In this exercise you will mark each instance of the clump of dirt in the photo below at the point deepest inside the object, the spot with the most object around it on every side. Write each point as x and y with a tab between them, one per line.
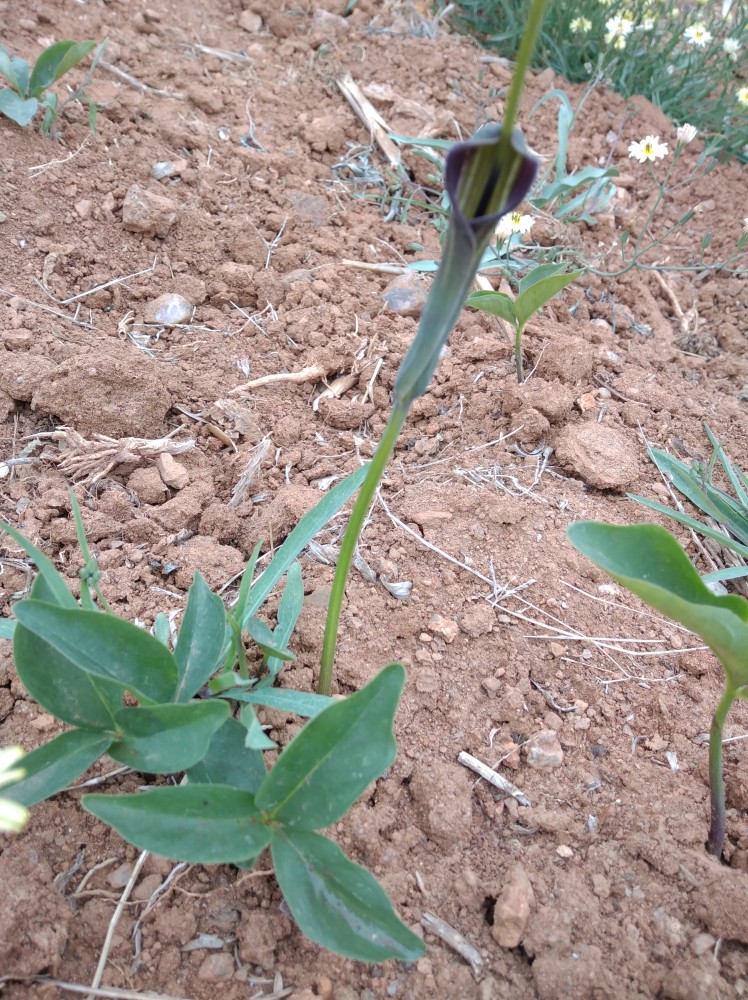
594	883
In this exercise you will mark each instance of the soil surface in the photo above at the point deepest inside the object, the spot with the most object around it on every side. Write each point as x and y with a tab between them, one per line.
517	649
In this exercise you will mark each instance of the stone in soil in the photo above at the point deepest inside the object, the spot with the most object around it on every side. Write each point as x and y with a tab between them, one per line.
512	910
602	456
168	309
544	752
148	213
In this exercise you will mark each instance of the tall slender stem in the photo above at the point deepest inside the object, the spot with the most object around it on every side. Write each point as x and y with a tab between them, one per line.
524	55
350	539
716	841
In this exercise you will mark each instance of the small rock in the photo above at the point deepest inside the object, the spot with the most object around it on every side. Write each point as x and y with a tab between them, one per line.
119	878
250	21
324	988
208	99
218	966
431	518
586	402
151	214
148	485
702	943
146	887
490	685
564	851
43	723
509	754
557	649
602	456
406	295
168	310
168	168
512	910
544	752
83	208
693	979
172	473
445	628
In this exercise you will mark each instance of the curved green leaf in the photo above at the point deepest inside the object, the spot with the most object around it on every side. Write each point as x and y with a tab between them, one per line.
337	903
161	739
328	765
57	590
494	303
55	62
104	646
18	109
533	295
228	761
304	703
289	609
650	562
200	644
261	634
54	765
202	824
15	70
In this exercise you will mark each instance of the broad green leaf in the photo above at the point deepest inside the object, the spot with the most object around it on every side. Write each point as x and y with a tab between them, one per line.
228	761
59	592
535	297
200	645
328	765
300	537
15	70
289	609
57	684
104	646
56	764
494	303
7	628
162	739
303	703
254	735
650	562
202	824
538	274
337	903
54	62
261	634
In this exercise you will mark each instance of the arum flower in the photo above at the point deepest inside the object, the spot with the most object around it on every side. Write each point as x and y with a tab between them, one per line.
618	29
685	133
12	816
731	47
486	178
514	222
742	96
650	148
580	25
698	35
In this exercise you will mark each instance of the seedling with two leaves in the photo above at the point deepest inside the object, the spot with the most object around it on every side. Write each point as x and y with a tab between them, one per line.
29	88
649	562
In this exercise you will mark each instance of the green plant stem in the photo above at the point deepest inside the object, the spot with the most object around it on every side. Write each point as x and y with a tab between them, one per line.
350	539
524	57
716	841
518	354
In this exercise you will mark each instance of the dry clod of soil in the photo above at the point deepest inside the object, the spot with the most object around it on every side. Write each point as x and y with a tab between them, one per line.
578	974
34	922
171	471
442	796
148	213
544	751
602	456
218	966
512	910
696	979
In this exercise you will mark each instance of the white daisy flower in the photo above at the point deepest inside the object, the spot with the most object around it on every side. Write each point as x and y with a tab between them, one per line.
515	222
698	35
580	25
731	47
742	96
650	148
685	133
618	28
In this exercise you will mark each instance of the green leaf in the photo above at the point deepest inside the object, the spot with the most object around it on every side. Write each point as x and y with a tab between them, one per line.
55	62
202	824
56	764
494	303
59	592
650	562
535	296
337	903
300	537
691	522
246	584
254	736
161	629
289	609
200	645
7	628
228	761
104	646
162	739
15	70
328	765
303	703
261	634
57	683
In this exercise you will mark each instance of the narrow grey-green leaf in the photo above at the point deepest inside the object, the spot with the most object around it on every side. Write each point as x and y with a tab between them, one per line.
7	628
202	824
304	703
261	634
337	903
289	609
200	645
56	764
104	646
11	67
228	761
254	735
162	739
328	765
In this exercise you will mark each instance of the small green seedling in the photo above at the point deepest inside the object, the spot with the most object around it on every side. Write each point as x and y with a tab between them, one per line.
29	88
195	715
696	482
649	561
535	290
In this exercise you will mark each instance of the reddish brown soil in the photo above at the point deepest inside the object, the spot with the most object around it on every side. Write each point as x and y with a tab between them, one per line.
624	902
